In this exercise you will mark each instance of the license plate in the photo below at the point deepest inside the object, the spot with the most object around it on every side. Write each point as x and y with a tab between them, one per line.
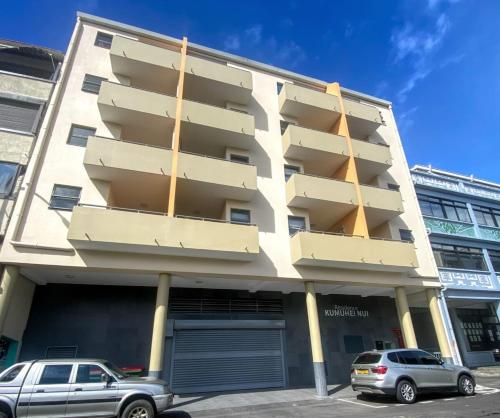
361	371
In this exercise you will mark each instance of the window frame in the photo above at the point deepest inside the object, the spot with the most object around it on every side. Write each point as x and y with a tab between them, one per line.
492	212
86	82
53	207
410	233
10	189
70	134
460	253
436	204
290	217
103	44
47	365
494	256
291	166
240	210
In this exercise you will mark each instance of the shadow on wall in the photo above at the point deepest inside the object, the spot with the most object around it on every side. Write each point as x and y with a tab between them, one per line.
260	115
262	161
265	213
63	219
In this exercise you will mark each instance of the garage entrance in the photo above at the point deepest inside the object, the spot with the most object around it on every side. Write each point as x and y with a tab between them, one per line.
220	355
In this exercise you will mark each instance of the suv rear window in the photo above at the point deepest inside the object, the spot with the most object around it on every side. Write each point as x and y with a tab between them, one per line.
369	358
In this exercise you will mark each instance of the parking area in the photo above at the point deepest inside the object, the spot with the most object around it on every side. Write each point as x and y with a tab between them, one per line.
341	402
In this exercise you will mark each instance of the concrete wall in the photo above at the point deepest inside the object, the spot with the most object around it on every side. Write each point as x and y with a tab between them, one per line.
25	86
19	308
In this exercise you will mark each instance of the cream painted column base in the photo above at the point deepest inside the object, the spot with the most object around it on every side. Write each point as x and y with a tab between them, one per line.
405	318
316	346
9	277
437	319
159	324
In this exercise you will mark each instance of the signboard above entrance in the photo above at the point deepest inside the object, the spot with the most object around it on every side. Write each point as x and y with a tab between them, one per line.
346	311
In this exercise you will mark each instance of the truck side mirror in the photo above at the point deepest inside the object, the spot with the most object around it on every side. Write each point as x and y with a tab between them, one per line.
106	378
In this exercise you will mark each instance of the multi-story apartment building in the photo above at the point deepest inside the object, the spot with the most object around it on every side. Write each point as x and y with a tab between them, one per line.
27	76
220	222
462	216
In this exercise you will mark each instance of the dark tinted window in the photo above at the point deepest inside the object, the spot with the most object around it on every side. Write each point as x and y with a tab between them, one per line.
89	373
295	224
279	86
408	357
290	170
12	374
55	374
64	197
283	125
368	358
240	158
92	83
406	235
393	357
240	216
78	135
8	175
427	359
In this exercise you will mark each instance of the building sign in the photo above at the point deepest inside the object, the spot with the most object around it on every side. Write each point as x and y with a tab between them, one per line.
346	311
481	191
466	280
435	182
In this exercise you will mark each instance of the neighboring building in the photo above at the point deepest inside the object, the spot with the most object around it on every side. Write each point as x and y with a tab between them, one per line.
230	192
462	216
28	74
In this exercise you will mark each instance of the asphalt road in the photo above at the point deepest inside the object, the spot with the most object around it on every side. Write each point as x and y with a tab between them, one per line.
486	403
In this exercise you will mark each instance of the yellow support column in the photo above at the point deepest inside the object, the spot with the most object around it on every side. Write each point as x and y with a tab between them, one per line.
315	335
9	277
432	299
159	325
405	318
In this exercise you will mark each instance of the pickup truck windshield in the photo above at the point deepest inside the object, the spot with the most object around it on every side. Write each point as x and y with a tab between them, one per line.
120	374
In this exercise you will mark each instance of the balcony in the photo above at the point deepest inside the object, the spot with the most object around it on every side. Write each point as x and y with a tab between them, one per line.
124	162
327	200
102	229
363	119
320	152
27	86
310	108
341	251
156	68
146	114
449	227
381	205
371	159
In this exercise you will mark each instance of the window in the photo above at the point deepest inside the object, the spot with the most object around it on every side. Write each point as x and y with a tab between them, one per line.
64	197
240	216
495	259
406	235
283	125
8	175
487	216
89	373
408	357
92	83
279	86
392	186
55	374
103	40
11	374
454	256
368	358
290	170
244	159
296	224
19	115
393	357
443	208
427	359
78	135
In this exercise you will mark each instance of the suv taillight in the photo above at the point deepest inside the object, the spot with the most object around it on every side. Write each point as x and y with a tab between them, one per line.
380	369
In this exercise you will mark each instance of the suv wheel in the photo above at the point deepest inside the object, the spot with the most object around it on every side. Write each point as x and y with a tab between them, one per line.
406	392
138	409
466	385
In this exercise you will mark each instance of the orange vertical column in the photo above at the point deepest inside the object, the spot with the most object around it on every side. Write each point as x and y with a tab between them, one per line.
177	130
356	220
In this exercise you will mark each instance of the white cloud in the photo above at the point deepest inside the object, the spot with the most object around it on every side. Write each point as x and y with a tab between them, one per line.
406	118
232	43
254	34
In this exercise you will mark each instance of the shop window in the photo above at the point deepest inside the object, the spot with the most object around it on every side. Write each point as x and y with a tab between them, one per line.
296	224
240	216
103	40
64	197
78	135
92	83
353	344
290	170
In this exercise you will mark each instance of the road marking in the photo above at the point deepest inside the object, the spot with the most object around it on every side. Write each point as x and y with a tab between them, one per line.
485	390
362	404
426	401
449	399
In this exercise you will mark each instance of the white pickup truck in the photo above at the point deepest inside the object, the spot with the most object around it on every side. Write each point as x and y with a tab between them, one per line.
79	388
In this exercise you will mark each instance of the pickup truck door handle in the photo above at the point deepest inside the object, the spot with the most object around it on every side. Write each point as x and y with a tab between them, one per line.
40	390
78	389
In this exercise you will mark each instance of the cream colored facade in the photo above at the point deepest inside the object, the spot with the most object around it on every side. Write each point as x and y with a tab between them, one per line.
121	233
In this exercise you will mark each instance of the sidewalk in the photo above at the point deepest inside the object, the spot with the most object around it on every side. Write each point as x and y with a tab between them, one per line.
491	371
221	400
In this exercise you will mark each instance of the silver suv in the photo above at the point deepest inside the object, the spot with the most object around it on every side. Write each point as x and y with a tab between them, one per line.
406	372
79	388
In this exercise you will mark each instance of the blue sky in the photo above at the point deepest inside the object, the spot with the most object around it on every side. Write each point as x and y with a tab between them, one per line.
438	61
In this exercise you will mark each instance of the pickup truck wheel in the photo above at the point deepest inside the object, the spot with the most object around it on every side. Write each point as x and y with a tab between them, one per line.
466	385
4	415
406	392
138	409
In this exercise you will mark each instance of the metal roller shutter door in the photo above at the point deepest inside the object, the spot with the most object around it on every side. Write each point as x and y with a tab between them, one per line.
18	115
210	360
